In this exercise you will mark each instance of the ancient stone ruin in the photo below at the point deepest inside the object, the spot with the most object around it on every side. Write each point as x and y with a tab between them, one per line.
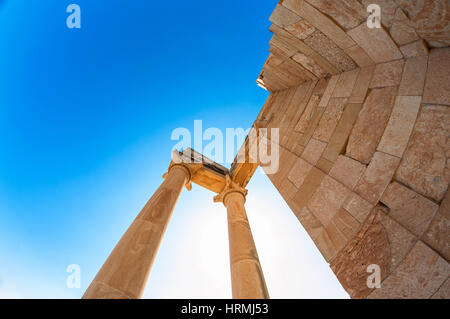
363	114
364	118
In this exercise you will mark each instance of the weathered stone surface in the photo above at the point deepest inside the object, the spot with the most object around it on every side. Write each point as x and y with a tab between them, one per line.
438	234
98	289
327	245
437	85
289	38
338	239
327	200
287	189
329	120
420	275
324	165
340	135
362	84
284	134
347	225
292	139
401	241
388	8
320	22
287	50
298	149
359	56
294	146
376	42
324	63
311	224
287	160
370	246
443	292
313	151
303	123
371	123
377	177
321	86
297	105
328	239
413	78
307	189
284	79
430	18
417	48
387	74
301	29
357	206
348	13
299	172
273	60
270	111
346	82
300	100
347	171
291	67
284	17
329	91
247	279
312	125
270	81
401	31
411	210
309	64
330	51
425	167
401	123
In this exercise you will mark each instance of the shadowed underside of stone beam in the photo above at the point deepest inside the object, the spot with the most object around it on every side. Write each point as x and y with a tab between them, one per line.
212	175
208	173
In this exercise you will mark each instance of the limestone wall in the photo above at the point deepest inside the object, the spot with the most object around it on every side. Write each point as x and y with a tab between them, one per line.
365	138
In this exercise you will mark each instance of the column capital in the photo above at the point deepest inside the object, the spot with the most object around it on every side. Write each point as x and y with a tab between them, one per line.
189	168
230	188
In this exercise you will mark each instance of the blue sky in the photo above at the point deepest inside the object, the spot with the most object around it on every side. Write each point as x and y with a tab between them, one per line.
86	117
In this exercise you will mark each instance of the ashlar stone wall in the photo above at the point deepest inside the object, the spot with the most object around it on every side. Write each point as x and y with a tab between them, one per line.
365	139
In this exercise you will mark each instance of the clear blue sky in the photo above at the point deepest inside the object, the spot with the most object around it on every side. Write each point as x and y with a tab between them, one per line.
85	122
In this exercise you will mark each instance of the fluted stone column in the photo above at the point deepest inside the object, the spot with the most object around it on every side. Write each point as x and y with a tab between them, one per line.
125	272
247	278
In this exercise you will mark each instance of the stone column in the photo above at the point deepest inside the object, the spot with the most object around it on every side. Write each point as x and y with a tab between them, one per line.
247	278
125	272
